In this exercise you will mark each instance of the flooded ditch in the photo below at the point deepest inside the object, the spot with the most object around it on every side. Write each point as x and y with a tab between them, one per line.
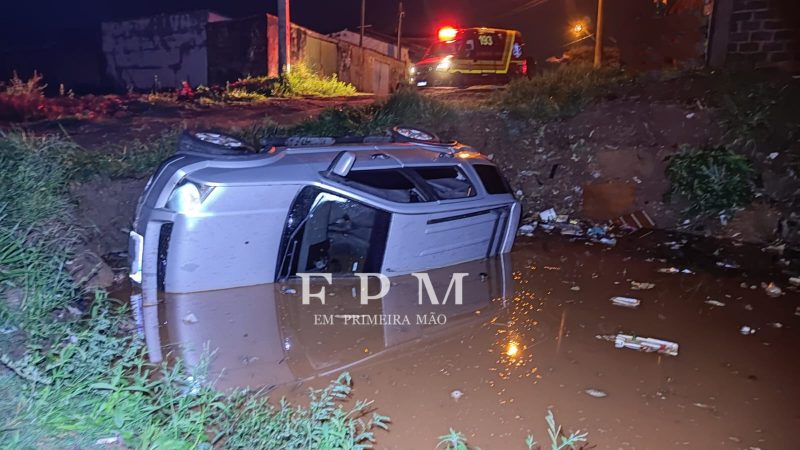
525	341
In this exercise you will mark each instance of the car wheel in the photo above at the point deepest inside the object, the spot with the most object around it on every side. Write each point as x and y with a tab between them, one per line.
411	134
212	143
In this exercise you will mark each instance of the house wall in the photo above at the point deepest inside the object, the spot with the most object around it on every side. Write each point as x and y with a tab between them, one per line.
157	52
386	48
760	32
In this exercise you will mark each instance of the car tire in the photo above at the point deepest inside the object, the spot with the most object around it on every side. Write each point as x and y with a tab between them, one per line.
211	143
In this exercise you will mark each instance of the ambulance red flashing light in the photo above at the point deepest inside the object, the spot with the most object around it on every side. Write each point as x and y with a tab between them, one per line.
447	34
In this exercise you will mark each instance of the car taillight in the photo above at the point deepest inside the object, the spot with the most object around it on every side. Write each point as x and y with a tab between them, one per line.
524	67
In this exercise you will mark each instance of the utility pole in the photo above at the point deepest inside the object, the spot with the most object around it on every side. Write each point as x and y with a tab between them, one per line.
363	16
400	13
284	33
598	37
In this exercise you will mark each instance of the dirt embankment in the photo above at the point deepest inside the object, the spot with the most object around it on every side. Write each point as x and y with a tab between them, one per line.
610	160
605	162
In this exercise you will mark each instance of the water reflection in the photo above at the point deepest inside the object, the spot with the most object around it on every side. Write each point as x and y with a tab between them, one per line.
264	335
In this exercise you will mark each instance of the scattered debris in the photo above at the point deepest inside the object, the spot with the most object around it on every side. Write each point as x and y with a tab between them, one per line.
794	281
773	155
714	303
596	393
636	220
575	288
703	405
288	291
596	231
642	286
727	265
773	290
745	330
797	311
456	394
527	230
642	344
779	249
8	329
107	441
748	307
775	324
190	319
548	215
675	270
626	302
608	241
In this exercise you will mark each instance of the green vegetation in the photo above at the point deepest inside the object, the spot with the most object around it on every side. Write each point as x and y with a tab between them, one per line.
454	440
711	178
76	378
558	93
405	107
302	81
134	159
757	107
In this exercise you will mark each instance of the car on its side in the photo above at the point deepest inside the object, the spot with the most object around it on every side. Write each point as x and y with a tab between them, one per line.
217	216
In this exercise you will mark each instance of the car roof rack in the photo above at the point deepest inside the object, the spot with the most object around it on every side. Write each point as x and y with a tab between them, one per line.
397	134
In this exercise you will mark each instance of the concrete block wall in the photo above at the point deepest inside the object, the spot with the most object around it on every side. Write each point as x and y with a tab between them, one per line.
158	52
765	32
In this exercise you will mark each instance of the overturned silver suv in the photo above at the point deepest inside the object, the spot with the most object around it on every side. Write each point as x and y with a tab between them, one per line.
220	215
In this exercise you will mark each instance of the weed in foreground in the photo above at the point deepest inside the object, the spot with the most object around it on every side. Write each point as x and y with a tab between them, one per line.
454	440
712	179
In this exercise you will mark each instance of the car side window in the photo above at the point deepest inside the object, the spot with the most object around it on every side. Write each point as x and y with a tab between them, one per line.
328	233
393	185
447	182
492	180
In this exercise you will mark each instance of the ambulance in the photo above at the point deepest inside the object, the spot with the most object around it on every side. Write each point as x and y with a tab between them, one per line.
470	56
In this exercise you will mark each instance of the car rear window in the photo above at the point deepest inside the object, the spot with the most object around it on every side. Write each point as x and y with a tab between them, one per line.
491	179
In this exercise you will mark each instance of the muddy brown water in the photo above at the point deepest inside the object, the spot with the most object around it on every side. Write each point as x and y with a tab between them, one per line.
524	341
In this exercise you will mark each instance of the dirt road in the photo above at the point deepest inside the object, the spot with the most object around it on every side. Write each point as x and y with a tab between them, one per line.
524	341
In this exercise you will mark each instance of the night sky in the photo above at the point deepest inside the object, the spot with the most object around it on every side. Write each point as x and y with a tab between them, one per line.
56	22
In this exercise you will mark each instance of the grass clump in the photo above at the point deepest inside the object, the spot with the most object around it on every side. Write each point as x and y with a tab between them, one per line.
134	159
558	93
252	422
405	107
712	179
559	440
302	81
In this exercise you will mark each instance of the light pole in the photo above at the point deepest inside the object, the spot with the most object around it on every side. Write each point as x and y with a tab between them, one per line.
598	37
284	30
400	13
363	15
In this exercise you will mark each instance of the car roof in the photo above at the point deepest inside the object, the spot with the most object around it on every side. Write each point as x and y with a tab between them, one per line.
302	164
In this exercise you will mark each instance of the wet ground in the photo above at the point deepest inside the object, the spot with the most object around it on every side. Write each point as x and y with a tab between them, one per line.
525	341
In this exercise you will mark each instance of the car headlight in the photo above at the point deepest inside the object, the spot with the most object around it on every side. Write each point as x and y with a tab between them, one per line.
412	70
445	63
188	197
